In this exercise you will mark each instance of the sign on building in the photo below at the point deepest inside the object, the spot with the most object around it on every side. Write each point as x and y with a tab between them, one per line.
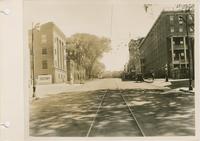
44	79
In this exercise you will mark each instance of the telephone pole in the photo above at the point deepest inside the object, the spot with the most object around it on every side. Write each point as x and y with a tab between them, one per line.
33	58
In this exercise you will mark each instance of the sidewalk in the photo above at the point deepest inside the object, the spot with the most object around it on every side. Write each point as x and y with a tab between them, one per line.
161	83
175	85
46	90
172	86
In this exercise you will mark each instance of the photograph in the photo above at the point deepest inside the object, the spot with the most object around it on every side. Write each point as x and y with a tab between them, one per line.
110	68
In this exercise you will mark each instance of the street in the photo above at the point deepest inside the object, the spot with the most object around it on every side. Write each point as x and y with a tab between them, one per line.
110	108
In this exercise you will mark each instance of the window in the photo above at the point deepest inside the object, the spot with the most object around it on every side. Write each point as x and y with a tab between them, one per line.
171	18
178	55
180	19
176	66
182	54
181	42
191	29
44	64
44	51
180	22
178	40
172	29
190	17
180	29
44	38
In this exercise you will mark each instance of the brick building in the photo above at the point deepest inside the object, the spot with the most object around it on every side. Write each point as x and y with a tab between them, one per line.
165	47
48	46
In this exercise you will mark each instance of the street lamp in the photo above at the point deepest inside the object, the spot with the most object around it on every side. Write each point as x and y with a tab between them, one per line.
36	26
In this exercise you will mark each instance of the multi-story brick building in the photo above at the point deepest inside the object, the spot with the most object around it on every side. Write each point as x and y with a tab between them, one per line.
165	46
48	46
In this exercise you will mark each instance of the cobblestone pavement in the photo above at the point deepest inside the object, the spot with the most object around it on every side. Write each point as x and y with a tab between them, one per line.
70	114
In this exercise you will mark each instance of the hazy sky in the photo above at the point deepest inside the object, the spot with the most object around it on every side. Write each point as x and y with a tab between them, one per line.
109	18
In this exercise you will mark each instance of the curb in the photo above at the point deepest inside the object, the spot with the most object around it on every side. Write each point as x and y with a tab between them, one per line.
187	91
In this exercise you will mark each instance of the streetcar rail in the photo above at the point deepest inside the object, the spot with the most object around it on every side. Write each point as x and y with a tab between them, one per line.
92	124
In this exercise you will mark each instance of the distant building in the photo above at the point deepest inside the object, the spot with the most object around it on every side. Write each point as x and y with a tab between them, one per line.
75	69
134	64
165	46
49	54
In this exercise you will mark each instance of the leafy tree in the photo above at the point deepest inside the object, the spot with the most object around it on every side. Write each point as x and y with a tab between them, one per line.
98	69
189	7
88	49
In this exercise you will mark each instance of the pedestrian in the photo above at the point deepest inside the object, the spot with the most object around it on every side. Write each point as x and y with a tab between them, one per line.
166	73
166	76
139	77
152	75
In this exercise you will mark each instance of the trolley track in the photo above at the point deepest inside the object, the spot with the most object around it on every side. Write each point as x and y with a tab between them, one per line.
133	115
131	111
115	111
92	124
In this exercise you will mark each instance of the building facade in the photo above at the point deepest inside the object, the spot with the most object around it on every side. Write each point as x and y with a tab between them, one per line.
165	48
48	56
134	64
75	70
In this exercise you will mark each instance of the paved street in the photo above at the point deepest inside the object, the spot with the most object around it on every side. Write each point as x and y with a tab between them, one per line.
81	110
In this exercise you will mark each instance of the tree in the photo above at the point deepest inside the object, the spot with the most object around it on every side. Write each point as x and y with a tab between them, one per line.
98	69
188	9
89	49
185	7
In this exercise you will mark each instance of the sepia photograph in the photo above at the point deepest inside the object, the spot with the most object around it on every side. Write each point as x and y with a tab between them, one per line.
110	68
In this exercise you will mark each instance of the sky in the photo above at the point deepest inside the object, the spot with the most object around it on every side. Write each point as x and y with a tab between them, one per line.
119	21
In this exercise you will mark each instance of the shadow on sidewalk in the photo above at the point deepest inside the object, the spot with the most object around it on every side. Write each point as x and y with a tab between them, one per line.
179	83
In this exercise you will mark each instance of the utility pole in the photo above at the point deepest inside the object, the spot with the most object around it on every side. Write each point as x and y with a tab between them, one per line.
190	71
33	62
33	58
189	51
